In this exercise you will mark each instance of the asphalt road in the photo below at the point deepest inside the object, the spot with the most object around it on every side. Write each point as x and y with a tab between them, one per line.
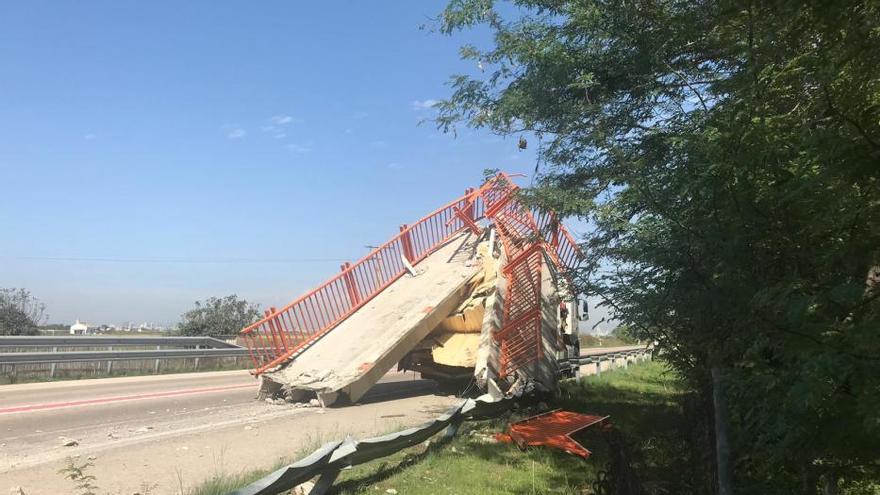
176	430
149	429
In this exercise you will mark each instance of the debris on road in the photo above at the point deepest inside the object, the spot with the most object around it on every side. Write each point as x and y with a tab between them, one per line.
68	442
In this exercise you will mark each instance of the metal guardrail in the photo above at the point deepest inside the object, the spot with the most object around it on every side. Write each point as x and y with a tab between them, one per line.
605	356
194	348
89	341
103	356
326	462
610	356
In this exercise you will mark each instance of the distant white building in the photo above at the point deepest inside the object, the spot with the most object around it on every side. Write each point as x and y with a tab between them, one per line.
79	328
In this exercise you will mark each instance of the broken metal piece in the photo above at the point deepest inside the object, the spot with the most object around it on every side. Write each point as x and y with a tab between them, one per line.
552	429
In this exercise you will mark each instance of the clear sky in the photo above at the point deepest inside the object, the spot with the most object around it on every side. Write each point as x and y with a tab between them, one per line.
157	153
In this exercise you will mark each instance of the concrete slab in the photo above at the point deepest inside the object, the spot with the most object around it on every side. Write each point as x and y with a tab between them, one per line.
354	355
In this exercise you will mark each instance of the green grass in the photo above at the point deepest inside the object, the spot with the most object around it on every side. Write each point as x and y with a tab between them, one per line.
223	484
645	452
643	402
469	465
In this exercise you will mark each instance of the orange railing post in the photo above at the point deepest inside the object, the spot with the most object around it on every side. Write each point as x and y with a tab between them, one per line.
406	241
350	284
469	205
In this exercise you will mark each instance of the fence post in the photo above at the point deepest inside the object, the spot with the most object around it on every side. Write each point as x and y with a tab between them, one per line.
156	367
350	284
277	331
469	206
52	368
324	482
407	243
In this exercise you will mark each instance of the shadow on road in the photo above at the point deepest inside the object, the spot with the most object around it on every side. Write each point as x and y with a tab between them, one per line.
399	390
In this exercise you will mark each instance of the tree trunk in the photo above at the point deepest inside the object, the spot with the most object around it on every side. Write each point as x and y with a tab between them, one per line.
722	444
830	485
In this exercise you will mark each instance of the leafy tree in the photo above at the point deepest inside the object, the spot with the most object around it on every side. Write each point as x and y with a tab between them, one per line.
625	334
728	155
218	316
20	312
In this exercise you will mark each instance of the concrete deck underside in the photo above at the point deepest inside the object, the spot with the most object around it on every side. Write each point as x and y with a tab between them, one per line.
352	357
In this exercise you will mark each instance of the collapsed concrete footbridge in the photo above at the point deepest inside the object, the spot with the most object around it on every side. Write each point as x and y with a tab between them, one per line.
477	289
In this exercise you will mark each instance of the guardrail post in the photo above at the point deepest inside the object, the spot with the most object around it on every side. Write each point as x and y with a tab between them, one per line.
52	368
109	362
598	367
156	367
324	482
197	359
406	241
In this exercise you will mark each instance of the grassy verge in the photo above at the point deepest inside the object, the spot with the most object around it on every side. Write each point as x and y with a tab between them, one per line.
224	484
643	401
643	454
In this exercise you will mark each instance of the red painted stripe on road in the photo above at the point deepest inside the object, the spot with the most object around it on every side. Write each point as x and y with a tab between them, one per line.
105	400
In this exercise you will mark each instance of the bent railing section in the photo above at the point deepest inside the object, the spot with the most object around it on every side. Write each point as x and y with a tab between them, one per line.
526	236
283	333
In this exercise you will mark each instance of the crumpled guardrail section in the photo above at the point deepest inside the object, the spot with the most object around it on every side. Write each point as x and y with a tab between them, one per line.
328	460
332	457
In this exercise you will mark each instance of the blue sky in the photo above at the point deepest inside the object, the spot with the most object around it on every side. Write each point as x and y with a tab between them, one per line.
144	145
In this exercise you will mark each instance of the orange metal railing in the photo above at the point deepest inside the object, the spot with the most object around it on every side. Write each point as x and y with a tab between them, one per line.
525	240
284	332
